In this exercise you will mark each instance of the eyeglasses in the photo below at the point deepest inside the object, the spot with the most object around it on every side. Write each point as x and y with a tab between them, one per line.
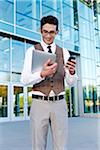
45	32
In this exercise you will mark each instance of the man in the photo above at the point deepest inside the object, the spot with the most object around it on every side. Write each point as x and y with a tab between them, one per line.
49	105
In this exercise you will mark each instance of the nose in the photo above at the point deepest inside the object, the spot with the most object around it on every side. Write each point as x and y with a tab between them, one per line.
48	35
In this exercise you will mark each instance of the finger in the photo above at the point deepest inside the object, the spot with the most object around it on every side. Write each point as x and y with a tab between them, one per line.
72	61
48	62
70	64
53	66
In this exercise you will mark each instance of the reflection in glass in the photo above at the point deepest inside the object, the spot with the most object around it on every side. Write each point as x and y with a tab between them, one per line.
91	102
88	68
18	101
3	101
98	99
28	14
7	10
72	101
29	99
4	58
84	10
68	17
86	29
68	2
98	83
70	26
68	101
68	23
18	51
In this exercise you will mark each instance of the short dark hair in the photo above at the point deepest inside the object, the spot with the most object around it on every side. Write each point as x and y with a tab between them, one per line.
51	20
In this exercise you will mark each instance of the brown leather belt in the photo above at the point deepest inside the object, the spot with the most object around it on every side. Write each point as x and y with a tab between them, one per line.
48	98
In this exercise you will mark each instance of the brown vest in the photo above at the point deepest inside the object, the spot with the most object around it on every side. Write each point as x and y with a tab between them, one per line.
55	83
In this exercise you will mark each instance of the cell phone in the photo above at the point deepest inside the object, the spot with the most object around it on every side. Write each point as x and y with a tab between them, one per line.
71	57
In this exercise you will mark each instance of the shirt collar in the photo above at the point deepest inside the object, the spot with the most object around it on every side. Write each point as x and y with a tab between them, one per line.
44	45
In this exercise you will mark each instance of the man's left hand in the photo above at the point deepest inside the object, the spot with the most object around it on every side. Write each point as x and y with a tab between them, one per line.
71	66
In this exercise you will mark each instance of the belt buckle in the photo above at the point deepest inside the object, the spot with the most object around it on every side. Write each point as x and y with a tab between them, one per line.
54	99
57	98
48	98
43	98
51	98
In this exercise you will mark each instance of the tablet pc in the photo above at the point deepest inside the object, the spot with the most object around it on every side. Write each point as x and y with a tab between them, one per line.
39	58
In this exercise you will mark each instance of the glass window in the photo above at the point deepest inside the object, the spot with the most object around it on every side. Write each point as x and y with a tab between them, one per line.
7	10
98	98
90	96
4	59
93	50
3	101
97	37
90	15
68	15
28	14
82	27
68	2
53	8
71	38
67	33
87	48
83	46
18	101
76	37
98	55
88	68
99	21
29	99
91	31
85	11
85	68
85	28
82	10
18	52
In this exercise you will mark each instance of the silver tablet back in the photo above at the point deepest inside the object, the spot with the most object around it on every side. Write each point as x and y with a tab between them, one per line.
39	58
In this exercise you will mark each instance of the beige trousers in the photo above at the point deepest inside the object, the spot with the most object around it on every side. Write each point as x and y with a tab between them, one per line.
44	113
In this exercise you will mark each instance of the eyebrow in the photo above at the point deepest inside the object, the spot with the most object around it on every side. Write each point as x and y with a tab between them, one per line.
49	31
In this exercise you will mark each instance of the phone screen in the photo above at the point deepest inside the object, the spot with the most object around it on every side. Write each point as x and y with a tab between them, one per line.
71	57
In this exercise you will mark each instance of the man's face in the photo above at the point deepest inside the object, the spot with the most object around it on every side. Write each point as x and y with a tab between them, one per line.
48	32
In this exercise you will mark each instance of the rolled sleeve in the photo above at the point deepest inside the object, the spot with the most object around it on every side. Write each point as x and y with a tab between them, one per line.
70	79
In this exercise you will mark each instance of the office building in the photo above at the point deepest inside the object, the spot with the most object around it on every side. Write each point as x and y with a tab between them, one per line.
79	32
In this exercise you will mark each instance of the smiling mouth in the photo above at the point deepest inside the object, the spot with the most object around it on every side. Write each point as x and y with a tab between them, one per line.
48	39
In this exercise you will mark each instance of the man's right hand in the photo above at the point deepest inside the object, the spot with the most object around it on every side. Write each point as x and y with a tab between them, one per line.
49	69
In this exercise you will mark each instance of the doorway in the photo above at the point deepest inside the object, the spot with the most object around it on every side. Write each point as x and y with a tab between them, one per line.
72	101
4	102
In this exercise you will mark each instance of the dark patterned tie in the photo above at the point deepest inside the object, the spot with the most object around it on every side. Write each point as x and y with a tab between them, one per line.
49	49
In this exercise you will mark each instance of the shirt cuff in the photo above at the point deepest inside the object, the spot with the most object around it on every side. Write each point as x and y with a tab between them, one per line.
39	78
70	79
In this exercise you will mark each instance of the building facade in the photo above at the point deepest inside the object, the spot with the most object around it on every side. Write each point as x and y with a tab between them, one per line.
79	32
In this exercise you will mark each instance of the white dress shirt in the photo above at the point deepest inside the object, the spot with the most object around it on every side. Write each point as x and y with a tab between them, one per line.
29	78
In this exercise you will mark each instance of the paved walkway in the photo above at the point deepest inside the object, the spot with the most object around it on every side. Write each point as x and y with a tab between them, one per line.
84	134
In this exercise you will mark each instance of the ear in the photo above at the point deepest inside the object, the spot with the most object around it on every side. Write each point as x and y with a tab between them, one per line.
40	30
57	31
